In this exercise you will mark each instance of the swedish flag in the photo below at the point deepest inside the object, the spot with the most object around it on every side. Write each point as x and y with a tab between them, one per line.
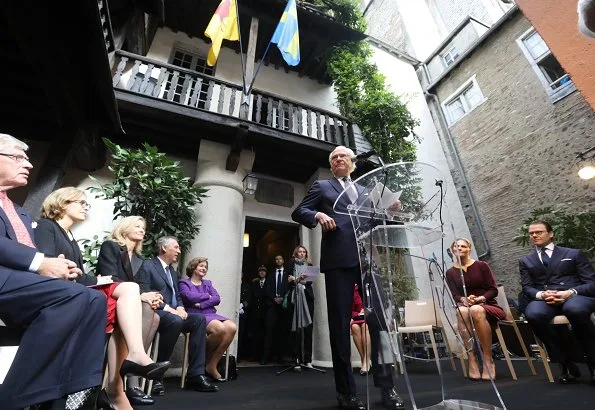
286	35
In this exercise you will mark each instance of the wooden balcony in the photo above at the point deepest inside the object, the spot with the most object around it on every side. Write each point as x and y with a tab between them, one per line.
202	92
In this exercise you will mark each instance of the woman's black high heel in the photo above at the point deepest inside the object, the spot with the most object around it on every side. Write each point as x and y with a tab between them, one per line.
104	402
153	371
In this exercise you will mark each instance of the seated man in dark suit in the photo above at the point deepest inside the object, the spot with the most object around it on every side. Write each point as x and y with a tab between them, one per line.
61	351
559	281
157	275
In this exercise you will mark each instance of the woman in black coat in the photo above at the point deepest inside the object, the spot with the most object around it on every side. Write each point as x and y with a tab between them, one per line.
120	257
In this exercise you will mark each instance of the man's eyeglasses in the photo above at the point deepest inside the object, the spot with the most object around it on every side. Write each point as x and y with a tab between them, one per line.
17	158
339	156
536	233
83	203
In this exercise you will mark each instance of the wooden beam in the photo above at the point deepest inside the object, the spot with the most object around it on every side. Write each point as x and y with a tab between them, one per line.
249	72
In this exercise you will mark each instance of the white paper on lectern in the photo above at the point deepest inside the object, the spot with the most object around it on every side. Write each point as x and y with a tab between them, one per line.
311	273
382	197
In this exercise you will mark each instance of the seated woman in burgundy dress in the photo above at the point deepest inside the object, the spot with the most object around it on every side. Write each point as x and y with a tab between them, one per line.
480	304
200	296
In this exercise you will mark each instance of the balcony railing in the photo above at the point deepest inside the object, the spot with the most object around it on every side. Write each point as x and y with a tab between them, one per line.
203	92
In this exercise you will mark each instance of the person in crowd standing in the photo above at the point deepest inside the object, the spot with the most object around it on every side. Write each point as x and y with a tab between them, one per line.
276	323
341	265
200	296
261	299
300	287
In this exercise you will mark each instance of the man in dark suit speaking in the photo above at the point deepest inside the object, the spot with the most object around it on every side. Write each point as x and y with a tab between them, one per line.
559	281
62	347
157	275
341	266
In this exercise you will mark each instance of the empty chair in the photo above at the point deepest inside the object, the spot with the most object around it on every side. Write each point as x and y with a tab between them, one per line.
421	317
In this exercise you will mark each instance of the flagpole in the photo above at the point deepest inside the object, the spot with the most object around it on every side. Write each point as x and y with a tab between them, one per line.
241	51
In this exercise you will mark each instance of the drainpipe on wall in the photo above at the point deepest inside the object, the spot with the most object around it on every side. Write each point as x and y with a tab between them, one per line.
446	131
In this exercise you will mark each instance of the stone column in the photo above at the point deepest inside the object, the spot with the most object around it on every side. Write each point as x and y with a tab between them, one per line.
221	222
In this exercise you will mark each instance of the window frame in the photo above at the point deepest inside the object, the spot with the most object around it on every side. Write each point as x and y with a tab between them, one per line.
452	55
554	95
459	94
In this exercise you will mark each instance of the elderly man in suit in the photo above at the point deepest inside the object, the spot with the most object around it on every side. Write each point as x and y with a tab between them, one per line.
157	275
62	347
559	281
340	263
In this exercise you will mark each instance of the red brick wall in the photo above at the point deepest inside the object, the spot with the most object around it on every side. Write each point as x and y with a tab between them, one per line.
557	23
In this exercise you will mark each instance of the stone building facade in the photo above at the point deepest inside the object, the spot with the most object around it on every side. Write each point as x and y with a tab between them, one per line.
517	147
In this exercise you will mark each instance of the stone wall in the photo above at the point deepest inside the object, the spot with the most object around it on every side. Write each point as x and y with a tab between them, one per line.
517	148
453	12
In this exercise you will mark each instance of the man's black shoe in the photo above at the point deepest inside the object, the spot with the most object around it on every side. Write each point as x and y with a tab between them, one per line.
391	399
350	402
568	373
137	397
201	384
158	389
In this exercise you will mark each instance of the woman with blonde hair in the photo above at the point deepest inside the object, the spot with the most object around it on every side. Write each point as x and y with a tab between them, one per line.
61	210
120	257
200	296
477	306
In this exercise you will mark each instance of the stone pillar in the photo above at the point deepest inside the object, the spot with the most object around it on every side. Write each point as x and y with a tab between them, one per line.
221	222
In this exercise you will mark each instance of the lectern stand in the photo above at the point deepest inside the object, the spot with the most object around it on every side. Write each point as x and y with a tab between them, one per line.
402	226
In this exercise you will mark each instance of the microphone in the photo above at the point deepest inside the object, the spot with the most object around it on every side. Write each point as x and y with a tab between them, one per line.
450	254
363	155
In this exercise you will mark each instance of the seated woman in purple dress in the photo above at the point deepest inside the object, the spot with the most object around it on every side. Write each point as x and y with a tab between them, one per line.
480	304
200	296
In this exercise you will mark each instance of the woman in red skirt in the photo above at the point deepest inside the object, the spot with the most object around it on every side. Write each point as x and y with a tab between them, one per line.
359	331
60	211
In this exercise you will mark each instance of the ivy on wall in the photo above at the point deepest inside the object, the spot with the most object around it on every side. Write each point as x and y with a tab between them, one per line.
362	92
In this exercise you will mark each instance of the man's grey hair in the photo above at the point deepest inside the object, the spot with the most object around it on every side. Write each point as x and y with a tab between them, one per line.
8	141
164	242
349	151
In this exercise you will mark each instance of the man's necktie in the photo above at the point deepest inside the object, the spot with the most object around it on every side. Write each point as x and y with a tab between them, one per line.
544	258
15	220
350	189
279	278
174	301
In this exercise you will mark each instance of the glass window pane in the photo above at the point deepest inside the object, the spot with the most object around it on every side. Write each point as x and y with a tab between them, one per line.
456	109
536	45
473	96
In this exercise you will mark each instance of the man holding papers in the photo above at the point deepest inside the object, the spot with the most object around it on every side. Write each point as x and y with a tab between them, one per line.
340	263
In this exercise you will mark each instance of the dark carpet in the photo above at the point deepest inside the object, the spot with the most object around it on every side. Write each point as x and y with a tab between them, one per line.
259	387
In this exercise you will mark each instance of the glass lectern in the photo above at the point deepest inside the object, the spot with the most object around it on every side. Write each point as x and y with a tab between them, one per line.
403	228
